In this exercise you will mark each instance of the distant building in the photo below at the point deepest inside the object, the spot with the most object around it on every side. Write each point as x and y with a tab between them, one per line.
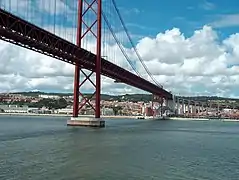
65	111
39	111
33	110
14	109
148	111
107	111
45	96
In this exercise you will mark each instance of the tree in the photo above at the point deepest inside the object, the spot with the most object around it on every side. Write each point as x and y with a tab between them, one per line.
117	110
62	103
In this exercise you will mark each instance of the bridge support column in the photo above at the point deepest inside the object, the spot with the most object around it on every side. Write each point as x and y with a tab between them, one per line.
205	107
153	110
94	7
174	105
167	106
195	108
183	107
178	106
171	105
161	105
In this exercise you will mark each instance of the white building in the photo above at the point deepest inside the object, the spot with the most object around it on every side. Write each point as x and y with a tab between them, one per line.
14	109
107	111
65	111
45	96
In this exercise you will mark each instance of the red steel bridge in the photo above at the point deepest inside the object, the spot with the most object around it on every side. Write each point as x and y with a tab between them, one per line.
90	34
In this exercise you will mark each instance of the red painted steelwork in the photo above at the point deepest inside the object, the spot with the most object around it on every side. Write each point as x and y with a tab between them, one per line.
98	59
77	66
22	33
84	8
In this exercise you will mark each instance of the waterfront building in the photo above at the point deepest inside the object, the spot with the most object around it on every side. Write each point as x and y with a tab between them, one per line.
13	109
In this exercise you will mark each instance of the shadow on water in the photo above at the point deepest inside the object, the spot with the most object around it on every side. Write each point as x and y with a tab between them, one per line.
20	136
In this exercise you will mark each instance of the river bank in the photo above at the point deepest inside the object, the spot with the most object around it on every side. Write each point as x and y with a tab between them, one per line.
188	119
119	117
64	115
202	119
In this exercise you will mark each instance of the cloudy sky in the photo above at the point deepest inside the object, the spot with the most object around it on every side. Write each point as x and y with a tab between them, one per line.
191	47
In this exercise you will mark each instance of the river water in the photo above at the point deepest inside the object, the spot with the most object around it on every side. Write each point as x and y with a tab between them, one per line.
40	148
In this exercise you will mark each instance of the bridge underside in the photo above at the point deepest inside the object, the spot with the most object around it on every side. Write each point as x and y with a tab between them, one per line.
27	35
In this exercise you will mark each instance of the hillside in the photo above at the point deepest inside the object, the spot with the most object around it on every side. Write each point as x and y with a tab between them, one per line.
129	97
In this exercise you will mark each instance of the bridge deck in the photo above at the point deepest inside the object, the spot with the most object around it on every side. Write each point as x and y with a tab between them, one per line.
22	33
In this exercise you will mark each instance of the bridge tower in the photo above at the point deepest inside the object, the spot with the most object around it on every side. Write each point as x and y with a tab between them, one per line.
84	28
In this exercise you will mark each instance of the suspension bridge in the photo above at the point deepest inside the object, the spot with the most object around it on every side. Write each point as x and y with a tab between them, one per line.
91	35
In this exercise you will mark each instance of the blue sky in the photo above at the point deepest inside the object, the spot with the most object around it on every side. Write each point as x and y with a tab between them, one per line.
154	16
148	18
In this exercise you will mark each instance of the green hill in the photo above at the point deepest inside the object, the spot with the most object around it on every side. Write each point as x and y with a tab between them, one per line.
130	97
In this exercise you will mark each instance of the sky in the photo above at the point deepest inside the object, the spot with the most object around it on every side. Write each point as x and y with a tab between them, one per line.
191	47
187	15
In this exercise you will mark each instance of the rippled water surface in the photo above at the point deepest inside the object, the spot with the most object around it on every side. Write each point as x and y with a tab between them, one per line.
45	148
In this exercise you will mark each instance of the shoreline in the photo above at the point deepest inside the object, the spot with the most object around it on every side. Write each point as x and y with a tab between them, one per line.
119	117
188	119
202	119
63	115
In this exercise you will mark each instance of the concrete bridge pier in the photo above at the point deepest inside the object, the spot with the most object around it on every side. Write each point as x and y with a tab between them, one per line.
195	107
174	104
183	107
86	121
166	102
171	105
191	109
188	106
206	108
178	106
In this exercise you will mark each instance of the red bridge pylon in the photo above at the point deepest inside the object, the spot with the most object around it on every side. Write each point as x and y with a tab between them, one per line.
92	28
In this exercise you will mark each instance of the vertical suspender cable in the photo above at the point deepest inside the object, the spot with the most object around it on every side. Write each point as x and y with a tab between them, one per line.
54	23
132	44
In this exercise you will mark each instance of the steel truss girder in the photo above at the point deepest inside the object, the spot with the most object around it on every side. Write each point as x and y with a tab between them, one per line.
86	100
22	33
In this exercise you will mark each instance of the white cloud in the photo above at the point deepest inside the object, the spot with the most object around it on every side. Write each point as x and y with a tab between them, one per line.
193	65
226	20
23	69
132	11
206	5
